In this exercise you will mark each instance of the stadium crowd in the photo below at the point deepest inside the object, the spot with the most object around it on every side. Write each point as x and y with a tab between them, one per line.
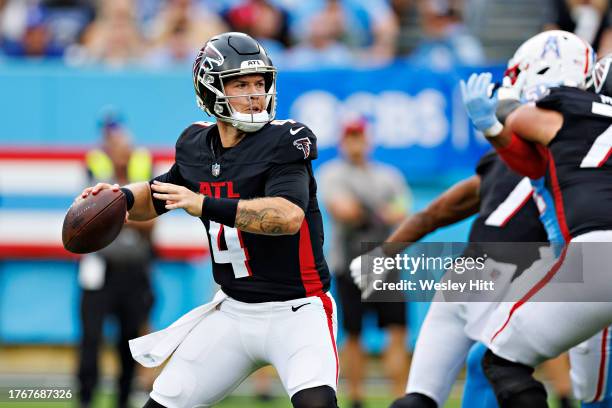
297	34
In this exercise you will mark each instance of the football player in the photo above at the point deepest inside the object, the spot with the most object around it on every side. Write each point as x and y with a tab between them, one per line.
589	378
505	213
249	179
574	125
422	380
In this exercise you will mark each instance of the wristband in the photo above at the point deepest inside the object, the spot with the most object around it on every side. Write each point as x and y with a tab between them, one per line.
494	130
129	197
221	210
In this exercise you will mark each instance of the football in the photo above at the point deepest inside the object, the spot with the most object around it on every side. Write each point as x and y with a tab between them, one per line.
94	222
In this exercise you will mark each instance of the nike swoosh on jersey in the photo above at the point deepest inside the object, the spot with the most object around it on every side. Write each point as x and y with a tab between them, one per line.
295	131
295	308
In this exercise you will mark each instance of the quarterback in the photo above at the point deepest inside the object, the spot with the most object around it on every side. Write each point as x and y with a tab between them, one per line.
249	179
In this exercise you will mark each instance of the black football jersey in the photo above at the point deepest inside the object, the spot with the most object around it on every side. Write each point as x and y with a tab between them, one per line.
579	171
507	211
272	162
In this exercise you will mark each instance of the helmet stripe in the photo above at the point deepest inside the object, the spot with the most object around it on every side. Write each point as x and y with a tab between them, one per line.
586	65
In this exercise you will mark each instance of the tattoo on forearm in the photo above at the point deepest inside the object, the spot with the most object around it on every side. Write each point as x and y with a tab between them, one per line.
267	220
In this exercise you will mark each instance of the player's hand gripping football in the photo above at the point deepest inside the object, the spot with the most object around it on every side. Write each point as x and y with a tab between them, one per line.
178	197
95	190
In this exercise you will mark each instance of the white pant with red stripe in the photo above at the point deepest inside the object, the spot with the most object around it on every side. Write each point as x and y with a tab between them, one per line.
528	331
440	351
448	332
297	337
590	373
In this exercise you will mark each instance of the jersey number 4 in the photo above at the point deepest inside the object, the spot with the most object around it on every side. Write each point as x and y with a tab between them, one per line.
600	151
235	253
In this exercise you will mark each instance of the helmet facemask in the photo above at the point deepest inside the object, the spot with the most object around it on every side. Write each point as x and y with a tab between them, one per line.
247	122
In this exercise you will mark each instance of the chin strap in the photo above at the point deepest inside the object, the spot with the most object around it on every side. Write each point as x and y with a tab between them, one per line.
249	123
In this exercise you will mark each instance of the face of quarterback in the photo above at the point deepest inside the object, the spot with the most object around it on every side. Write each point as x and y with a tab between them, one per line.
247	85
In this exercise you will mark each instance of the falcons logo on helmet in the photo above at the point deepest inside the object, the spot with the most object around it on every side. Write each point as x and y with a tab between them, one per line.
303	144
212	56
207	56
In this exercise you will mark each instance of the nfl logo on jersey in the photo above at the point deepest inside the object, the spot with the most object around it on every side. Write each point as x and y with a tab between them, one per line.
216	169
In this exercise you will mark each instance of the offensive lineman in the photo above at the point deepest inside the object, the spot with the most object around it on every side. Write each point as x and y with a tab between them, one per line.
589	359
574	125
249	179
505	213
433	387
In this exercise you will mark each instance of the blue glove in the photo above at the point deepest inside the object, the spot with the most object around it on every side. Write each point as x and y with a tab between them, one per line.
480	107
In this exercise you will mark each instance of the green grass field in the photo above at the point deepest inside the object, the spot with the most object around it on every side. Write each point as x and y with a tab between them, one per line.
235	402
27	366
107	401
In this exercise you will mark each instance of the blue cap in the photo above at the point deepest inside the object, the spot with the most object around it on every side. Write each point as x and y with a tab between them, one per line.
110	118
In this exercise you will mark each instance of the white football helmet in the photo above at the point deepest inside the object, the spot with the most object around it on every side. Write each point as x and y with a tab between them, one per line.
550	58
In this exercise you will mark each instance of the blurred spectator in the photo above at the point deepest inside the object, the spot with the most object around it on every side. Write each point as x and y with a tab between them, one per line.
146	11
262	20
2	12
114	37
197	24
321	49
588	19
365	200
14	18
115	280
406	17
446	41
368	25
176	48
36	40
67	19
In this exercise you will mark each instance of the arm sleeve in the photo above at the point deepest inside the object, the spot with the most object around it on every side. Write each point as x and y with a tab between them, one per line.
289	181
173	176
526	158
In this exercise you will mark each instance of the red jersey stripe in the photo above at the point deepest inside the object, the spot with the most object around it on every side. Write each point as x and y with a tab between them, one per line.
308	268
